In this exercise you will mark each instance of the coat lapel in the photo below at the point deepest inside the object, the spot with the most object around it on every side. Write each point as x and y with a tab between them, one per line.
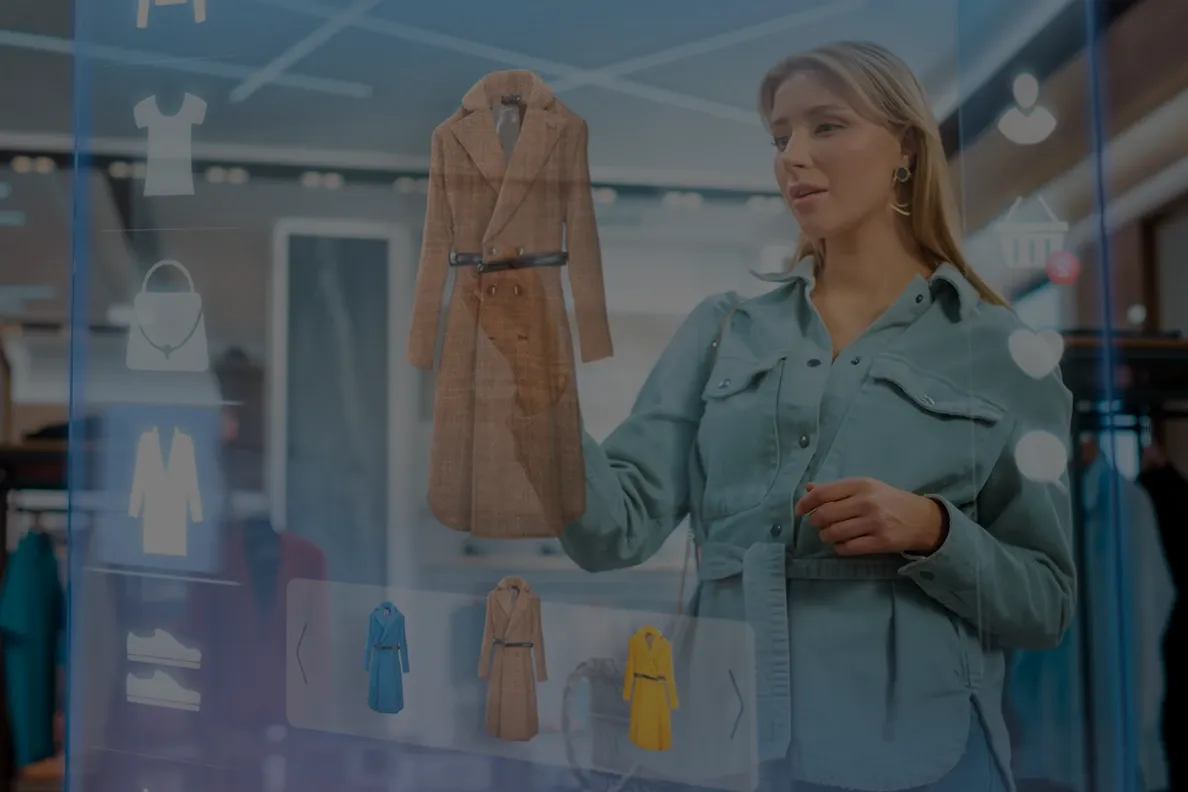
538	136
476	133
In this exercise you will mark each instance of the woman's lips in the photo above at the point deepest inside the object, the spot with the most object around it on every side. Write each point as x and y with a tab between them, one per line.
807	199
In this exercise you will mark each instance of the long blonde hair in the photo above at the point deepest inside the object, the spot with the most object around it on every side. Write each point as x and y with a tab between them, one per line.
890	93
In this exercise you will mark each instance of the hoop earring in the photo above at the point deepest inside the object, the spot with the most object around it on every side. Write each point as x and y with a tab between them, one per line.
902	175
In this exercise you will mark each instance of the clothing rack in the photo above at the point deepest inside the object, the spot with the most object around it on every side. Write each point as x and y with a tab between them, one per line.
26	466
1131	376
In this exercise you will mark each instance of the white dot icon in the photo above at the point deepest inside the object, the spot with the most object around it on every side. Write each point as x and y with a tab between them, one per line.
1041	456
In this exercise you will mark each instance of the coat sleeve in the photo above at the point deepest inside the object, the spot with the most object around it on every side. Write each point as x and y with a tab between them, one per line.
1011	572
436	242
484	666
369	644
403	646
629	673
585	255
538	645
673	701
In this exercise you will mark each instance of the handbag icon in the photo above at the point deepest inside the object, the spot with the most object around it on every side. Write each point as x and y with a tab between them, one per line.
168	330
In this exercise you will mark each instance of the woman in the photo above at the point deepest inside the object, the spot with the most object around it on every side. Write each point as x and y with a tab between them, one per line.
845	447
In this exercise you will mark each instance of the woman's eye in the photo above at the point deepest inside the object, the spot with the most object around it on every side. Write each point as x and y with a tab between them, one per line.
827	127
781	142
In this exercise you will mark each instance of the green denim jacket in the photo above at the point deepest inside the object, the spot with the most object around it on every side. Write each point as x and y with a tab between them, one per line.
866	668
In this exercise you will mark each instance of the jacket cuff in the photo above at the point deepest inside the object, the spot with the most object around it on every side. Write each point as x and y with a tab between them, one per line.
954	564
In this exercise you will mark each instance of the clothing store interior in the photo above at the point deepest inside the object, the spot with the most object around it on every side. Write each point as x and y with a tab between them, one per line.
229	236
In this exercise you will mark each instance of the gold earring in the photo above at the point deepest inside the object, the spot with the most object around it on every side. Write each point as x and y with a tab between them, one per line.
901	176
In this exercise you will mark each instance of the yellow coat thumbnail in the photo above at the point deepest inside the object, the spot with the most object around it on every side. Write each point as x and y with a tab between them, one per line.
650	687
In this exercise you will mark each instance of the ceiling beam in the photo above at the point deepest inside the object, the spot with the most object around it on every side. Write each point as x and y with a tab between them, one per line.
1141	66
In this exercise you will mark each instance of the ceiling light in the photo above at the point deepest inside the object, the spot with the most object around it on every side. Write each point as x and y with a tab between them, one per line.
332	181
405	185
216	175
311	179
237	176
605	195
44	165
684	200
139	171
119	170
22	164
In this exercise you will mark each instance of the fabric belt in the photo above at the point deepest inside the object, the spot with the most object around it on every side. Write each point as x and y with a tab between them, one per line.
765	567
652	678
377	646
556	259
513	644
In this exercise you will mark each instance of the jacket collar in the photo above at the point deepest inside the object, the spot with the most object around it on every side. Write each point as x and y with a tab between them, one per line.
490	90
945	276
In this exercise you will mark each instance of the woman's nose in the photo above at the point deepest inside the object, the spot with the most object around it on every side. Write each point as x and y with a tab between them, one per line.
795	153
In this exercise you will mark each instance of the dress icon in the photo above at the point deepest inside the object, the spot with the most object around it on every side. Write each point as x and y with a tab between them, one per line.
161	648
168	331
164	492
512	639
170	145
651	688
1026	122
143	6
161	690
385	640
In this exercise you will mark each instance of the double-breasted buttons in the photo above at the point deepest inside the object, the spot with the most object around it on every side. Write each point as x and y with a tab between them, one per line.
724	384
776	530
814	362
804	441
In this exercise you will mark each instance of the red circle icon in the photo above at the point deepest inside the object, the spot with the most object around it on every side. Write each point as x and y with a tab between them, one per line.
1063	268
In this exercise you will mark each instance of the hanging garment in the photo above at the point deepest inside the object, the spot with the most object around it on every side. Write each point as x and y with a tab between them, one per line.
245	662
500	217
512	639
386	658
1169	493
32	613
1045	690
164	491
650	685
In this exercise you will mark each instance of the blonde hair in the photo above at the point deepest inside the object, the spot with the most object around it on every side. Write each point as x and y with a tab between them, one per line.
890	93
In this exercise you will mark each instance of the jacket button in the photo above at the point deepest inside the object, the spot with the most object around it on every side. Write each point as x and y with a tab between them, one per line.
491	291
516	290
855	361
814	363
724	384
481	268
804	441
919	298
777	529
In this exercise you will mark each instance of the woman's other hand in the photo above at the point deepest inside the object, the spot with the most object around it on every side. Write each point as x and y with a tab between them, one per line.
863	516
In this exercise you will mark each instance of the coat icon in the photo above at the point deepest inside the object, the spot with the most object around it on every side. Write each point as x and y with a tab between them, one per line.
512	639
499	205
651	688
164	492
386	658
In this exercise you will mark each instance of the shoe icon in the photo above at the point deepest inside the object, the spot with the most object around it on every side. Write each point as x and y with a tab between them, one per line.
161	690
161	648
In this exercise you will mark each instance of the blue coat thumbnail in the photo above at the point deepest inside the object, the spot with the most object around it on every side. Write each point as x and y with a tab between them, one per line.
385	642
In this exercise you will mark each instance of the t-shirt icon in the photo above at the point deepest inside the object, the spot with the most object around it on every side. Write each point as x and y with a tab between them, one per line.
170	145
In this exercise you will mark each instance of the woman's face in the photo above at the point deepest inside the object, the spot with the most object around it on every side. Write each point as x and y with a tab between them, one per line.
834	167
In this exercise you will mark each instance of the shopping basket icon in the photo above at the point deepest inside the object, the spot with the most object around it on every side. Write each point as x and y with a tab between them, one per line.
1029	244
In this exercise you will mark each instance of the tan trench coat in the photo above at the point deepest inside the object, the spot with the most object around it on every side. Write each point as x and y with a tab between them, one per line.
513	617
481	201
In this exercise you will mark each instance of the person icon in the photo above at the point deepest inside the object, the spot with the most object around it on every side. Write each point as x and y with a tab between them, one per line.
1027	122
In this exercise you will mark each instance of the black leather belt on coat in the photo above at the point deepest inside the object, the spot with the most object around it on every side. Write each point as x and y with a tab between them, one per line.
519	261
652	678
513	644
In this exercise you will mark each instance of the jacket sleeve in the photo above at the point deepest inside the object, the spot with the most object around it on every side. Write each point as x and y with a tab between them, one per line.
637	481
436	243
484	666
403	646
585	255
1011	573
538	646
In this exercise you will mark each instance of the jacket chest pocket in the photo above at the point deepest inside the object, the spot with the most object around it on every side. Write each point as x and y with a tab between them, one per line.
738	439
922	433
